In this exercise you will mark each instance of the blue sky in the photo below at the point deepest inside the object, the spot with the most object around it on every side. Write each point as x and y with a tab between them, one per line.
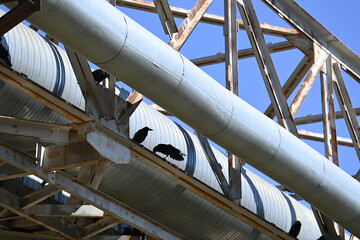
208	39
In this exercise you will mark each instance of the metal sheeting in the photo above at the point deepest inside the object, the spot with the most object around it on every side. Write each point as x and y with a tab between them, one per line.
177	85
156	196
44	63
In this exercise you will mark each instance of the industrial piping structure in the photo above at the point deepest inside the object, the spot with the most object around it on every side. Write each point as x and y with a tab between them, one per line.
171	205
168	79
277	146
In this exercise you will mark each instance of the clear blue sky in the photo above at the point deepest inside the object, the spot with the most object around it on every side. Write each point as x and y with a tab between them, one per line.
339	18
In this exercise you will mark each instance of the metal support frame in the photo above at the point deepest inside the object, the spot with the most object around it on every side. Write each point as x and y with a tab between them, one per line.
292	82
242	54
166	17
188	25
348	110
320	57
18	14
215	166
81	191
207	18
232	84
266	65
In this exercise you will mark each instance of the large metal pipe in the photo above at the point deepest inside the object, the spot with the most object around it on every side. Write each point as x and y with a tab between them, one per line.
169	203
116	43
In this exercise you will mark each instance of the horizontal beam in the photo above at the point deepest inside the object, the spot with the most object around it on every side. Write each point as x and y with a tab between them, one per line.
243	53
69	156
18	14
42	95
60	210
207	18
303	22
320	138
44	132
86	193
318	117
13	203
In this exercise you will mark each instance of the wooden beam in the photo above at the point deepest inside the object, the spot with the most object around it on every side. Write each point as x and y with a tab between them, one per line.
266	65
242	54
189	24
292	82
166	17
207	18
320	57
24	9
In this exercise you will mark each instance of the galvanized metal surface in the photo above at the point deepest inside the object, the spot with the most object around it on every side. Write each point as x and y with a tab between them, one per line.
156	196
177	85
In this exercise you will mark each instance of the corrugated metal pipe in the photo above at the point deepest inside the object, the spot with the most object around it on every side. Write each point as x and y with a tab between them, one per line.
116	43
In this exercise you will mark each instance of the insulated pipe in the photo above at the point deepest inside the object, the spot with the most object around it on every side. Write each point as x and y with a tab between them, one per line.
169	203
116	43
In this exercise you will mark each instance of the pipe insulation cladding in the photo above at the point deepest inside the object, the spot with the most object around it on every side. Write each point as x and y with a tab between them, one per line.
122	47
141	187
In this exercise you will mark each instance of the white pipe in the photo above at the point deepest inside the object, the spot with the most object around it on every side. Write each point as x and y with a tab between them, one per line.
116	43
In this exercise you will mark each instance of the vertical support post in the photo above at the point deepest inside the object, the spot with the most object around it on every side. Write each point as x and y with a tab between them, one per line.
325	113
232	84
110	84
332	115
